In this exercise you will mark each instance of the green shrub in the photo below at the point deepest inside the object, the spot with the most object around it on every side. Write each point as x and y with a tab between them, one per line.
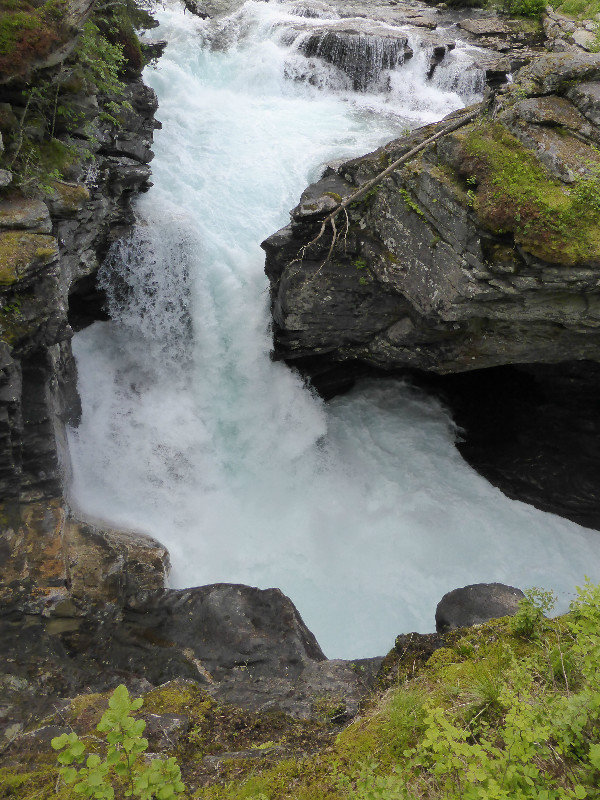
529	620
123	766
526	8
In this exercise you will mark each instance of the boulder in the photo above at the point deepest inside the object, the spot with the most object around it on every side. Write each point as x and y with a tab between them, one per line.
475	604
240	645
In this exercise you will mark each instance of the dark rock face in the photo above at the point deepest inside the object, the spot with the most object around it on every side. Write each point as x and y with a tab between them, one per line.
50	249
474	604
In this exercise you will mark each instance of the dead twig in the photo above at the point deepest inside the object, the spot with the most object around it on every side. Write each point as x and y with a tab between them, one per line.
368	185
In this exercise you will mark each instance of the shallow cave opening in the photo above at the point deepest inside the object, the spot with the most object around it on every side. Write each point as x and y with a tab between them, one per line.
87	303
532	430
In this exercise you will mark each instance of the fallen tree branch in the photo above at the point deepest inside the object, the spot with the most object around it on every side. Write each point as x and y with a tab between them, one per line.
360	192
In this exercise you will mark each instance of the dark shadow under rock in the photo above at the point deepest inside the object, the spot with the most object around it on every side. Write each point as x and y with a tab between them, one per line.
534	432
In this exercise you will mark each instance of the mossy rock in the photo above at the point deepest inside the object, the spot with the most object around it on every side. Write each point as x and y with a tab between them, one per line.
30	785
516	194
66	199
24	253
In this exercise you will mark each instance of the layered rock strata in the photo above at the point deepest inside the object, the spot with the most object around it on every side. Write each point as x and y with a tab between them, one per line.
53	237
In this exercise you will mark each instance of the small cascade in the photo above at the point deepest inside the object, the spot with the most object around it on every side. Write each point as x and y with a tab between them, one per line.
457	73
363	57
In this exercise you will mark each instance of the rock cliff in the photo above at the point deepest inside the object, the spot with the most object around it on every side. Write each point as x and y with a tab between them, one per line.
481	251
76	123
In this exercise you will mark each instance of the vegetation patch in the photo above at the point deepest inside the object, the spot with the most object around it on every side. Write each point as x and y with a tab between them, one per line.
55	106
29	32
508	709
20	252
578	9
512	192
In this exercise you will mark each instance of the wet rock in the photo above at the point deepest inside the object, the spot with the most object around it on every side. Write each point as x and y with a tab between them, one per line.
362	50
107	565
475	604
73	565
25	214
165	731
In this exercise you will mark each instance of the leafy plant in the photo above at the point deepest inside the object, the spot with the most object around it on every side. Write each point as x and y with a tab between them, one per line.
123	767
526	8
528	622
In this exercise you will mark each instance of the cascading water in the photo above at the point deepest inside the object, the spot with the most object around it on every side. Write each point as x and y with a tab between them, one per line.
361	510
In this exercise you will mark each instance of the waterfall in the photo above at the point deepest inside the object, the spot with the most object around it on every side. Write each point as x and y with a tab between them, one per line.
361	510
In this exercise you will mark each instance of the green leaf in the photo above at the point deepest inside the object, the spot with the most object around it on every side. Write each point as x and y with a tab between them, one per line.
69	774
77	749
119	700
59	741
594	755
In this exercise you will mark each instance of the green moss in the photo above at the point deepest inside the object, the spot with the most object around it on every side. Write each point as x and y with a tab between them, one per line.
29	33
89	708
31	785
179	697
21	251
516	194
13	326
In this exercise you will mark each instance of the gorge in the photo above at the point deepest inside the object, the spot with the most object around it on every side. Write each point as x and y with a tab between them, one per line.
364	423
360	510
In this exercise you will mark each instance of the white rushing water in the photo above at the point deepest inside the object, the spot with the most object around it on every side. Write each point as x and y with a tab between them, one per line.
361	510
